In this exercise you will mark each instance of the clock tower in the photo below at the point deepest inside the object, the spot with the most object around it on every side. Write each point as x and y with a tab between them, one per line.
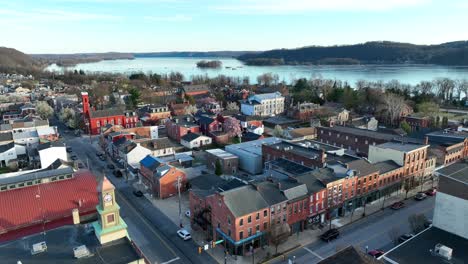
110	226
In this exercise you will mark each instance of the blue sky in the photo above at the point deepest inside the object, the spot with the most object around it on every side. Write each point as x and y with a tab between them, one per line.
69	26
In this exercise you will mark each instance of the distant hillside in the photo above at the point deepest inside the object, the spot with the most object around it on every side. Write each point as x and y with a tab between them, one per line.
14	59
196	54
385	52
73	59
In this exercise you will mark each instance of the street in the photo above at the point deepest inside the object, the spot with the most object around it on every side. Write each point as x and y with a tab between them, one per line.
372	231
151	230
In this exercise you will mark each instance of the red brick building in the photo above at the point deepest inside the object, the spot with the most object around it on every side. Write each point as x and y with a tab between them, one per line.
160	178
417	123
154	114
208	124
96	119
180	126
308	157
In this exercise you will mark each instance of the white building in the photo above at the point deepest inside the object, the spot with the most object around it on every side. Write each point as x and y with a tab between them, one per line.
269	104
451	206
250	154
7	154
50	152
193	140
132	153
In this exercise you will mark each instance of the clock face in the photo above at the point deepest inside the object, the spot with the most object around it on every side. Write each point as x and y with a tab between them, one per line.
107	198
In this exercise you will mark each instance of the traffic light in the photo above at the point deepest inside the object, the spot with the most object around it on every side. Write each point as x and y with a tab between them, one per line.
200	249
213	244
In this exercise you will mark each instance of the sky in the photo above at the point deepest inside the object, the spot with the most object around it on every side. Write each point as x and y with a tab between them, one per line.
74	26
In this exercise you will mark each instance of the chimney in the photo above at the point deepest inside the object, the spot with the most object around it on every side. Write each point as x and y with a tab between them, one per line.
176	120
426	140
76	216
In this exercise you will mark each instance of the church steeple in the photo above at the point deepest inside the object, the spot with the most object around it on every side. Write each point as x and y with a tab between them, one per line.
110	226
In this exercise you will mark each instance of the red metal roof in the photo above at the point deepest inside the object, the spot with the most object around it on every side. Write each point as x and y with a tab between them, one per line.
23	207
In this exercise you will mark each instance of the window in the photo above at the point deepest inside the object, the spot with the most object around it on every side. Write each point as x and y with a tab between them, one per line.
265	213
249	219
110	218
250	231
29	183
304	205
284	207
258	216
3	188
265	225
219	225
257	228
241	235
241	222
53	179
272	210
290	210
295	208
229	232
229	220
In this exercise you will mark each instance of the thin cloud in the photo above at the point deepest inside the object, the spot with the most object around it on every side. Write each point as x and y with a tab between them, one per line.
300	6
47	15
175	18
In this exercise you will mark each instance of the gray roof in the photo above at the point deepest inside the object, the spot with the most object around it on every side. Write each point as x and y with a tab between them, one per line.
270	193
40	174
457	171
60	250
25	134
367	133
190	137
244	200
417	249
6	136
292	189
5	127
206	182
350	255
6	147
405	147
106	112
312	183
362	167
267	96
386	166
159	143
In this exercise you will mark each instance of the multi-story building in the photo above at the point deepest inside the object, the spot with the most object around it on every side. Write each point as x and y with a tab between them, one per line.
228	161
354	139
417	123
160	178
96	119
154	114
269	104
180	126
451	146
304	111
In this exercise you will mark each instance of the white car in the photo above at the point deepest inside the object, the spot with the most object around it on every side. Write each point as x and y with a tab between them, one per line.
184	234
187	213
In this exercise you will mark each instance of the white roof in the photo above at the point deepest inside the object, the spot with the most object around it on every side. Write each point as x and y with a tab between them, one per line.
221	153
41	131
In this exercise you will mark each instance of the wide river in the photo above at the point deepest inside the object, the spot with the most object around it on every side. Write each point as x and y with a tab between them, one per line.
410	74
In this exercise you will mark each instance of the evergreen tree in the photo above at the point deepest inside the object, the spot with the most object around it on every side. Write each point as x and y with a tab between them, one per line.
218	168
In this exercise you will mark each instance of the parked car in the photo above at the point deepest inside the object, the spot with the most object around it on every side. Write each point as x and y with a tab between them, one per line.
404	237
73	157
184	234
330	235
397	205
138	193
68	149
431	192
428	223
187	213
420	196
376	253
111	166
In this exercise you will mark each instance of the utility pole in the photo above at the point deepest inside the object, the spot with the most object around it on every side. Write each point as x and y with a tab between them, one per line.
179	181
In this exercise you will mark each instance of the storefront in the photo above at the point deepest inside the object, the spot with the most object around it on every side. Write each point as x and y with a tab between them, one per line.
242	246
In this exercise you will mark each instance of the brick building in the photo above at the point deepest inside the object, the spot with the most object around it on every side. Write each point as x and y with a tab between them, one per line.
154	114
417	123
229	162
96	119
160	178
179	126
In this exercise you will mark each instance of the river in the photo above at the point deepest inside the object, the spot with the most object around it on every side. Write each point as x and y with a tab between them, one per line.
410	74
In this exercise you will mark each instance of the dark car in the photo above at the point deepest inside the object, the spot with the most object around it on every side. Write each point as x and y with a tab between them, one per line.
404	237
69	149
420	196
110	166
74	157
397	205
376	253
138	193
428	223
330	235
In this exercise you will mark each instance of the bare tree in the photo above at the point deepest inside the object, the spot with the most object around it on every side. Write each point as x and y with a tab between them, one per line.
445	87
190	109
417	222
278	234
424	87
393	106
393	234
462	87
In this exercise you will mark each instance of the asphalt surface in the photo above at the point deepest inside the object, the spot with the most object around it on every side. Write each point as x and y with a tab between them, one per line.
150	229
372	231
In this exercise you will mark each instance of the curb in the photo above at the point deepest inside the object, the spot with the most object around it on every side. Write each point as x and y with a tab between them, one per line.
282	254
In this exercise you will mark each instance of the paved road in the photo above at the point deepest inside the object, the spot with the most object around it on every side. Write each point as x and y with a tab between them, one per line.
151	230
372	231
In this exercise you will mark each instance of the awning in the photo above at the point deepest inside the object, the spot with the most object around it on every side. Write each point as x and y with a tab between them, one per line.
242	241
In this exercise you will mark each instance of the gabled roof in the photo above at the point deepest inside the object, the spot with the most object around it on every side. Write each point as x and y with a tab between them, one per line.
206	120
386	166
292	189
244	200
270	193
189	137
159	143
106	113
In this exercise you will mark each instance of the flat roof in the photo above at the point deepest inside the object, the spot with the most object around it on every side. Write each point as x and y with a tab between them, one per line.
60	243
457	171
221	153
253	147
417	249
405	147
